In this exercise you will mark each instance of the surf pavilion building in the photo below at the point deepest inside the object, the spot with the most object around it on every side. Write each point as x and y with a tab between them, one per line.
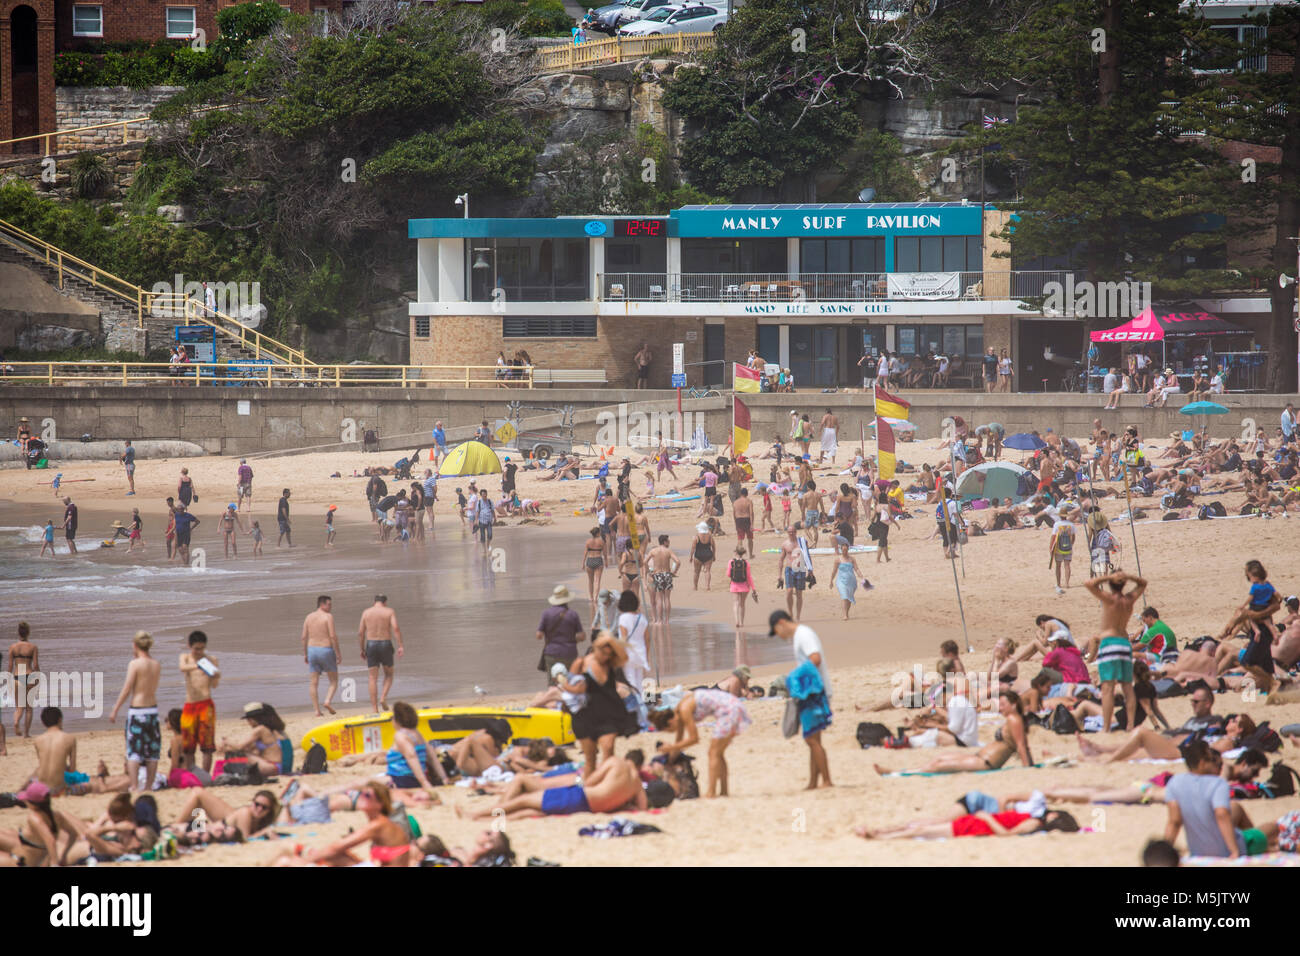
811	287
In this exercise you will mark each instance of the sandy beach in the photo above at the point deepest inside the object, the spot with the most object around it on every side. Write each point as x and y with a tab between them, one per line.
1195	570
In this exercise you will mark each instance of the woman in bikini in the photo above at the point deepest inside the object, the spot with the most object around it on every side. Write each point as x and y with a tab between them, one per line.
35	842
629	570
390	842
593	562
24	662
1144	742
1011	738
702	555
267	734
251	820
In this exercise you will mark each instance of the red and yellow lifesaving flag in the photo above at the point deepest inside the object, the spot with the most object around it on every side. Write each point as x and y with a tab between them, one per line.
739	427
885	456
744	378
891	406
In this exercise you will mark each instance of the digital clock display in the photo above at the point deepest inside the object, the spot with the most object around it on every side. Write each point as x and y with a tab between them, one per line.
653	228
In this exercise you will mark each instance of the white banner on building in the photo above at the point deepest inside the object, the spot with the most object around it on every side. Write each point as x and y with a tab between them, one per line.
924	285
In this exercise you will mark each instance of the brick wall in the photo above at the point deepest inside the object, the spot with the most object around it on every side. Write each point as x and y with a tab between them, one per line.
77	106
147	19
475	340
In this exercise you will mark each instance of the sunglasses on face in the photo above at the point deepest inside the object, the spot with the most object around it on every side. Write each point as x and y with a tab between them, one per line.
261	805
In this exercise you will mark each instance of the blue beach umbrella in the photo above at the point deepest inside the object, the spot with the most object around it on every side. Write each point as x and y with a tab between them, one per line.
1023	441
1203	408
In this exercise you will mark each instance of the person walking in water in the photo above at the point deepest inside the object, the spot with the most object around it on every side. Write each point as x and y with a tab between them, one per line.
377	632
143	731
127	458
320	651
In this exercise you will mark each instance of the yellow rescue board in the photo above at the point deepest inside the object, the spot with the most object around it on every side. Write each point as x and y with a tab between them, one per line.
374	732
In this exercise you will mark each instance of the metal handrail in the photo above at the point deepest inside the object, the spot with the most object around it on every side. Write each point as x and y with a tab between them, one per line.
256	373
46	137
146	302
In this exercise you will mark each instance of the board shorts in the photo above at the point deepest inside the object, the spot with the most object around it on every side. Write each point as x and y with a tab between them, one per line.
244	491
143	734
405	782
199	726
621	543
662	580
183	537
323	660
284	527
1115	660
70	534
74	783
795	580
743	525
564	800
130	468
379	653
811	518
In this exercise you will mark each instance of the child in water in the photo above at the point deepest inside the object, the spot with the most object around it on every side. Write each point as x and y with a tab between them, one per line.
48	538
329	525
256	532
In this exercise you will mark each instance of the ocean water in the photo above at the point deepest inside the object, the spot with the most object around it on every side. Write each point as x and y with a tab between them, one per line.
468	618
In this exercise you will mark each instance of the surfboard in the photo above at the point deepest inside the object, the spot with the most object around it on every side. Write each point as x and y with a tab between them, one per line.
374	732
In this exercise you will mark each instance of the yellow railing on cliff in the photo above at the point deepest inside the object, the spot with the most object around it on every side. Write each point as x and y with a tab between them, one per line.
51	139
162	305
558	59
258	374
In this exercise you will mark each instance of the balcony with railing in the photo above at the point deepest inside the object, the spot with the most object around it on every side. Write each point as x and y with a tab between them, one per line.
824	287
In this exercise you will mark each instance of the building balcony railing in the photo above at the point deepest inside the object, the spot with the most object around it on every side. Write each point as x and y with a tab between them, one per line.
823	287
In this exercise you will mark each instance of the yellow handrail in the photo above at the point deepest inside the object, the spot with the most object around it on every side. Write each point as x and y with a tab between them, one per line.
47	137
145	302
618	49
255	373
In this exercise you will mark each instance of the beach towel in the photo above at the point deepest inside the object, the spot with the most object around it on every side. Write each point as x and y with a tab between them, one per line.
618	827
805	686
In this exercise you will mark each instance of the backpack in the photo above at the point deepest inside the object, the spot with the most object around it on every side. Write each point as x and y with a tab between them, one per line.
872	734
738	572
314	762
1063	722
1065	538
1282	781
1214	509
1264	738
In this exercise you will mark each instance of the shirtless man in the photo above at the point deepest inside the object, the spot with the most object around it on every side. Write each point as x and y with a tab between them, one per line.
830	426
56	761
742	510
229	522
661	567
143	732
810	502
614	785
199	716
1115	652
320	651
622	534
643	529
792	573
1286	650
611	510
377	631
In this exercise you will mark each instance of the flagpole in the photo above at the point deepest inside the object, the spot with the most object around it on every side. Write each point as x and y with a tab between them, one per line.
1132	525
952	463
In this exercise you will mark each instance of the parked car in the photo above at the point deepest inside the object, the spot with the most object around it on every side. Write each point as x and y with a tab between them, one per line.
605	19
636	9
696	18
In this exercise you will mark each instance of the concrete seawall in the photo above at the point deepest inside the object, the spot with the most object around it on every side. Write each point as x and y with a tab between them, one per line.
253	420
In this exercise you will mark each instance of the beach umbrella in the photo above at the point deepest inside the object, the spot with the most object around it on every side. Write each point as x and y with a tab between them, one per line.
992	479
1023	441
1203	408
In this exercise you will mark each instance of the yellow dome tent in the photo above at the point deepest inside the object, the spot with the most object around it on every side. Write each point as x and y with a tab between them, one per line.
471	458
